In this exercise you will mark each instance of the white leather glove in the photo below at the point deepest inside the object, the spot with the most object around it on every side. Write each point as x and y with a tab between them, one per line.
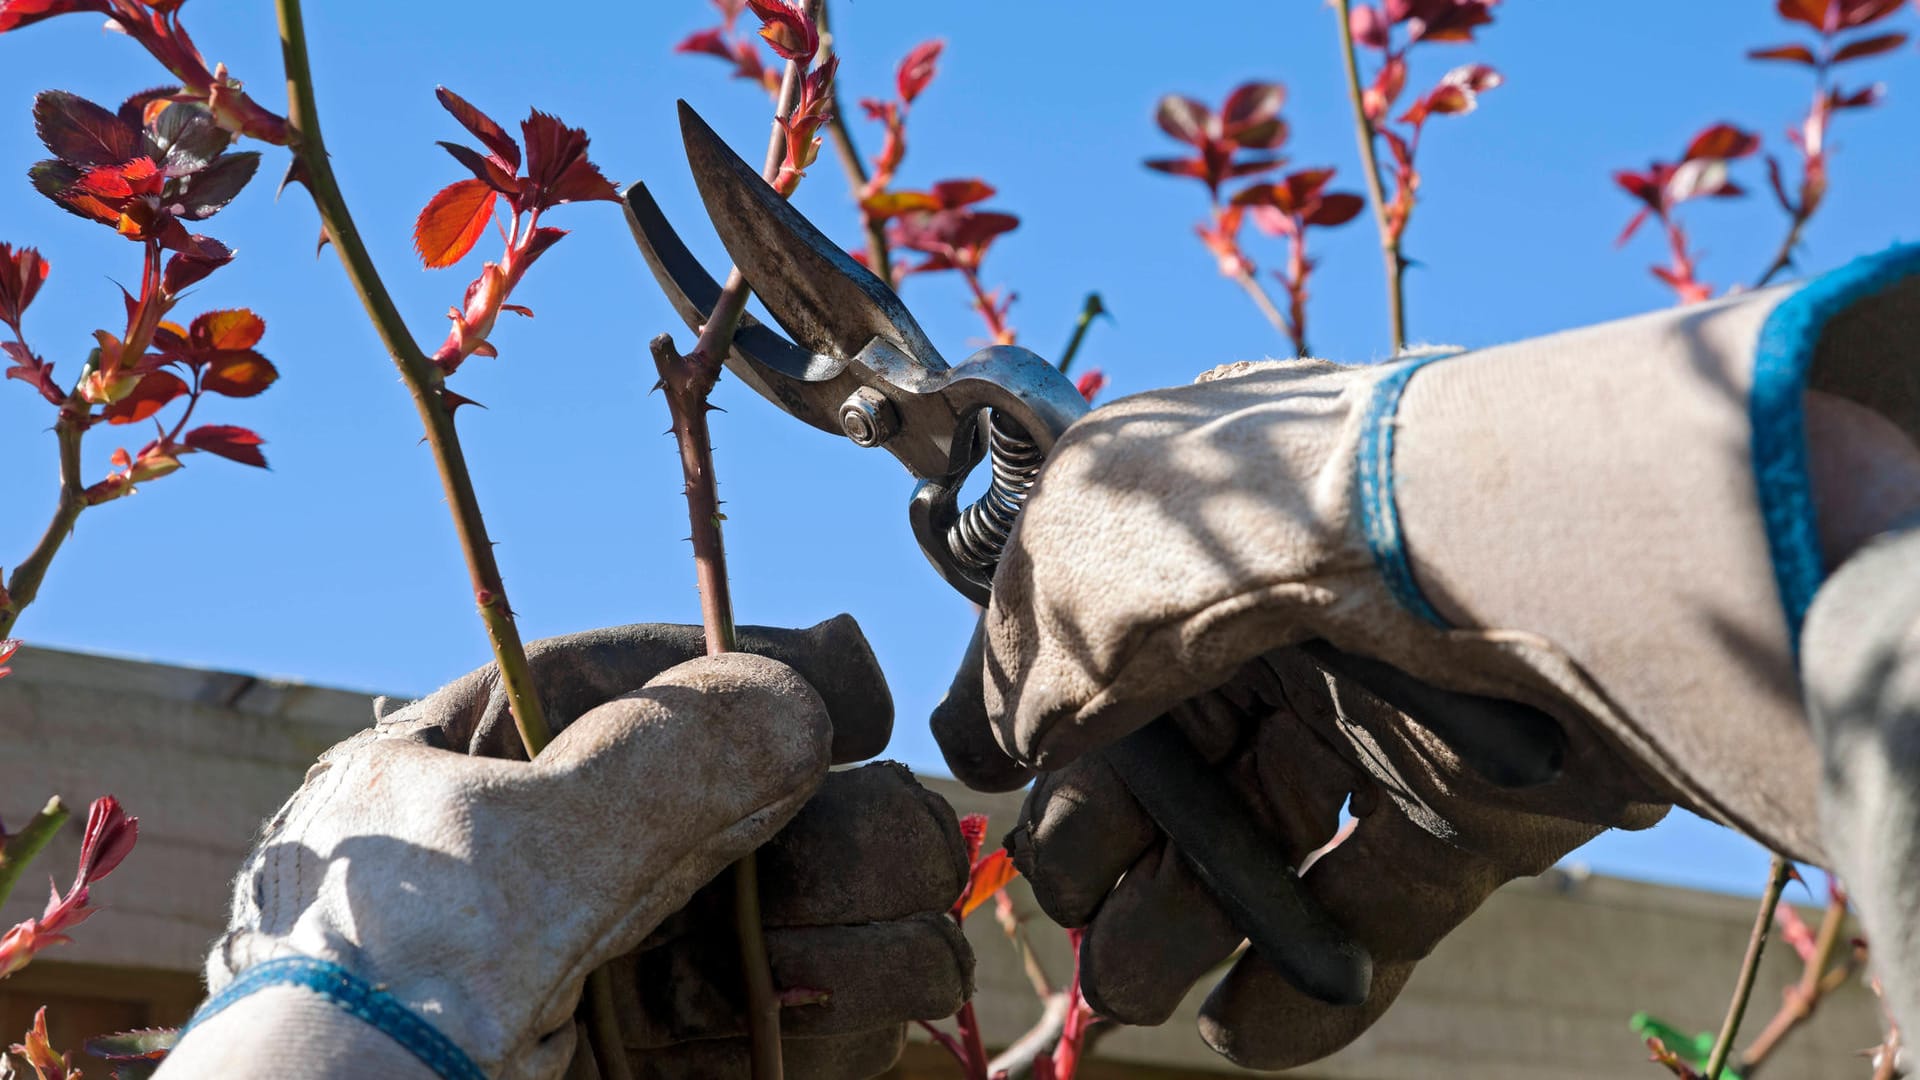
1618	527
478	892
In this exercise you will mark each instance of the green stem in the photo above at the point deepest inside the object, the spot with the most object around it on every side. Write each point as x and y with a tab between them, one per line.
422	380
1396	266
1749	968
21	847
24	585
1089	311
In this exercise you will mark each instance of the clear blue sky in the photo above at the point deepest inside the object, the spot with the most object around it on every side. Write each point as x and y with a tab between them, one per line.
338	567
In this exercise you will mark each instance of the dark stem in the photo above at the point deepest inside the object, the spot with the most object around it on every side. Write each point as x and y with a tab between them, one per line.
970	1041
1296	282
1396	265
1749	968
687	380
1089	311
21	847
422	380
879	255
1783	258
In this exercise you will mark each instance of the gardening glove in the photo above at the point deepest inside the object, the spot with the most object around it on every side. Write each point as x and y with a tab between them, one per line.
1613	529
1861	659
459	888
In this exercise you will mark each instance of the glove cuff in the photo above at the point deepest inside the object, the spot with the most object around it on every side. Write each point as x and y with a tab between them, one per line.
349	1008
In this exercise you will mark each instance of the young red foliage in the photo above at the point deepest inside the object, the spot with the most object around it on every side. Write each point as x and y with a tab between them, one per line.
725	43
155	25
453	222
39	1053
1288	209
787	29
1091	383
110	834
143	182
1701	172
1249	120
8	647
22	273
558	171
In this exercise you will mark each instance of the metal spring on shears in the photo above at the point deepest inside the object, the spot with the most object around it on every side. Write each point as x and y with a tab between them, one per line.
979	536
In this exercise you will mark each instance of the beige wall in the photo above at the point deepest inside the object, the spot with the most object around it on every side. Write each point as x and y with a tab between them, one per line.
1538	984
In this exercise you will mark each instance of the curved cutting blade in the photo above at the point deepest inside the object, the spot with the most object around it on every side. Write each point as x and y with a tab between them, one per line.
825	300
778	369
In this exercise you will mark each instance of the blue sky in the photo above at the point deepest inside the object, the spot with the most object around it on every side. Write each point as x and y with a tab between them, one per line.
339	567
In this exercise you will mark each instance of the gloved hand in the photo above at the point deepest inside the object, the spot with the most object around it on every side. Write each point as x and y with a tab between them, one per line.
1618	527
479	890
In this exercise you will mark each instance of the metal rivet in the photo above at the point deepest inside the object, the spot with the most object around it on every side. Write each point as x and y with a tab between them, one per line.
868	417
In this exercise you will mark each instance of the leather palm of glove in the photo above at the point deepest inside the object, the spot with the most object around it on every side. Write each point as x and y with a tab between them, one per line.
480	890
1618	529
1431	840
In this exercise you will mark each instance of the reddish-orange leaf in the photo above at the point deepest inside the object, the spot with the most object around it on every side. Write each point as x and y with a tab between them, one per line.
236	328
1797	54
1722	142
1872	46
149	396
788	29
957	193
238	373
233	443
1336	209
889	204
483	127
917	69
989	876
452	222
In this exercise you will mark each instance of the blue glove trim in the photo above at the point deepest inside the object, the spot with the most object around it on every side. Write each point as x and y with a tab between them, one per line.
357	997
1782	361
1379	515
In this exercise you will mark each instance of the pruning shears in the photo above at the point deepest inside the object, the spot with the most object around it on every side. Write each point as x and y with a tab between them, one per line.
854	362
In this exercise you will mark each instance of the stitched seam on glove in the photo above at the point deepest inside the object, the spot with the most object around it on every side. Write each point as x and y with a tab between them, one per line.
357	998
1379	516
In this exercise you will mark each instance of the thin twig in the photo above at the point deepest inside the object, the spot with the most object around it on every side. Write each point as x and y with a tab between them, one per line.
1396	266
1783	258
422	379
1749	967
1089	311
1804	996
21	847
1042	1038
879	255
1889	1066
1263	301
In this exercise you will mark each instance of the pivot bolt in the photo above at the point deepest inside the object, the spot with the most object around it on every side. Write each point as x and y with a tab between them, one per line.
868	417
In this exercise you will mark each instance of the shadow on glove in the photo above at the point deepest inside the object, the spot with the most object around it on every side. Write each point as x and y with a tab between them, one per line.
479	891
